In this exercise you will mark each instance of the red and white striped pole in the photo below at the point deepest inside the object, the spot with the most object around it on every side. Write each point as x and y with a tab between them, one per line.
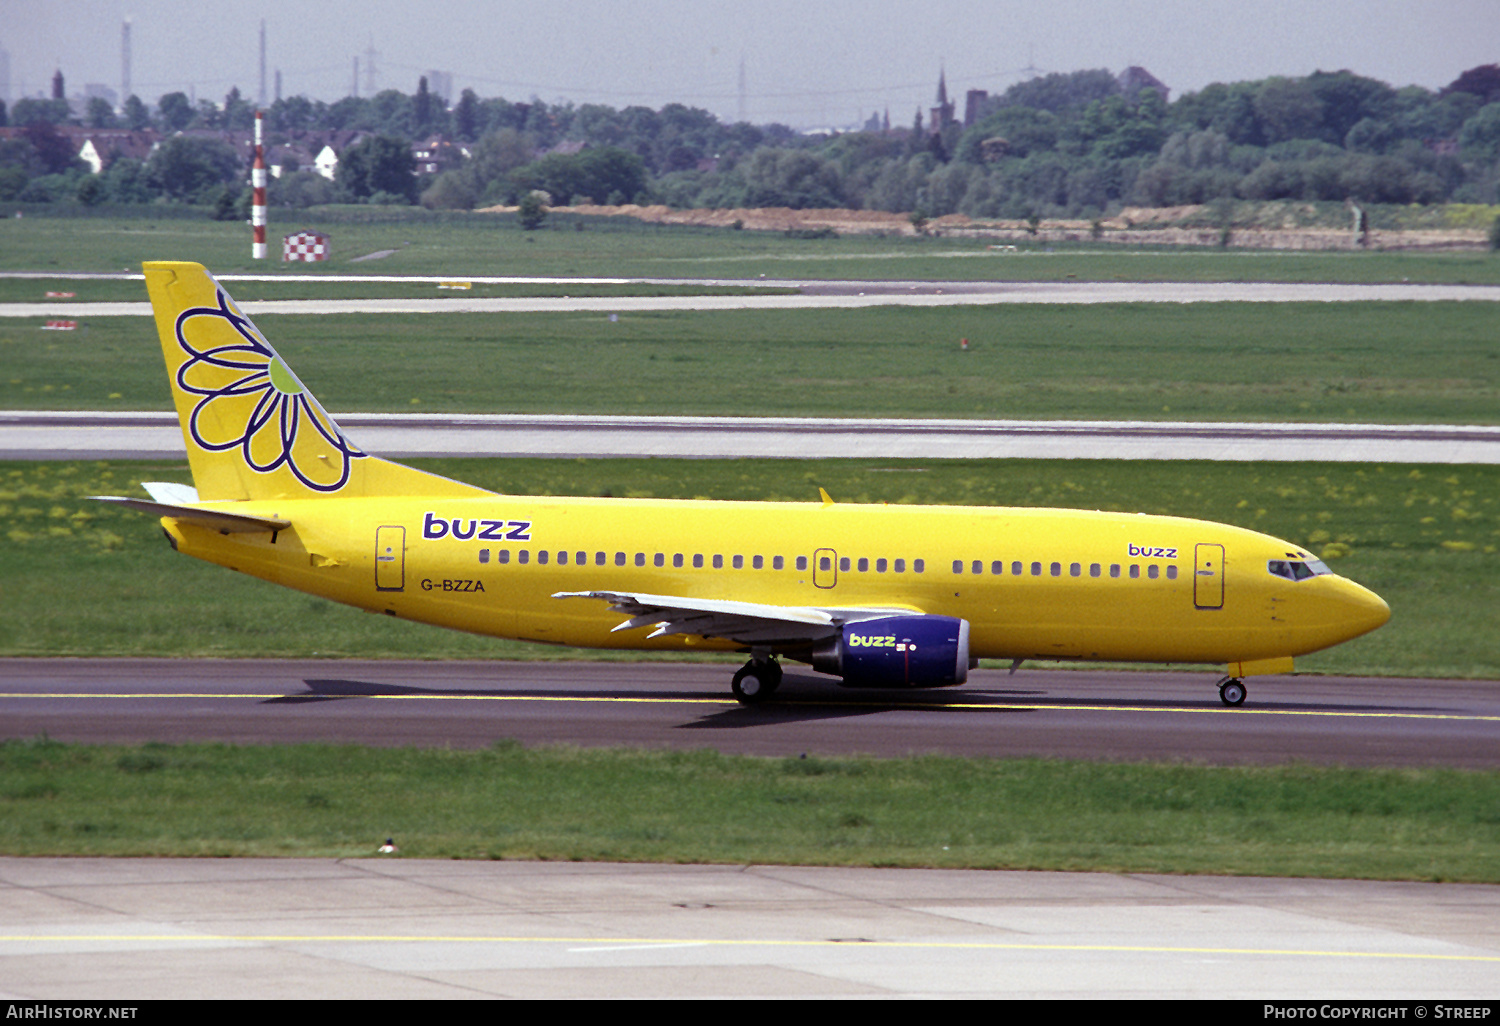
258	198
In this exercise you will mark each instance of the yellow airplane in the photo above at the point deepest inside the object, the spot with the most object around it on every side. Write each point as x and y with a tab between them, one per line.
879	596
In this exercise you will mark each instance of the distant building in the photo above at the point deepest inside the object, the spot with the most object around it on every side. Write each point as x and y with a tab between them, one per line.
288	158
942	114
440	83
568	148
100	91
311	150
101	147
437	154
1133	79
974	103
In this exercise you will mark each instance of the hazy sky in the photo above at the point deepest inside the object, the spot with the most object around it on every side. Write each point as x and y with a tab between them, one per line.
807	62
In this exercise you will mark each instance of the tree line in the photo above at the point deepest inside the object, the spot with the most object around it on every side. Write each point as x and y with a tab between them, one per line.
1076	144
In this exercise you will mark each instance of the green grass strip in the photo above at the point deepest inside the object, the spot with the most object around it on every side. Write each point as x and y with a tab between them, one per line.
457	244
560	803
1404	362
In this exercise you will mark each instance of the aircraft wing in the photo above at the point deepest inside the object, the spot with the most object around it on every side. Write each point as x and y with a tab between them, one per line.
749	623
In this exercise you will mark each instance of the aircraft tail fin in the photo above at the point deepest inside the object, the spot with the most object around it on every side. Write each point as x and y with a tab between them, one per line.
251	427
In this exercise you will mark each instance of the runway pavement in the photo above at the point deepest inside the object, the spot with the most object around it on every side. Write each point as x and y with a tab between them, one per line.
816	295
151	435
1106	714
91	930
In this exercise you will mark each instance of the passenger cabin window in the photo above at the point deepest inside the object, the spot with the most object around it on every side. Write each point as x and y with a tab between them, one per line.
899	566
503	556
801	562
919	566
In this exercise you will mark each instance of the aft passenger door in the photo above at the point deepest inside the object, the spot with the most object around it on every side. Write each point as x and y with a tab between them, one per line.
1208	576
390	558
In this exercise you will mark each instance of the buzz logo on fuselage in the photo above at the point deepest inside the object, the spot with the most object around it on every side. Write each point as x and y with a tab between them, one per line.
1151	552
435	527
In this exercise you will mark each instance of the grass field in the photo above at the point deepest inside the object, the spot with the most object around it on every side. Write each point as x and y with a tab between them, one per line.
618	805
463	244
83	578
1375	362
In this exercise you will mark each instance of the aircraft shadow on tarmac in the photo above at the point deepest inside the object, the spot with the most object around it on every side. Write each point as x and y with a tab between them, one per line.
804	698
814	698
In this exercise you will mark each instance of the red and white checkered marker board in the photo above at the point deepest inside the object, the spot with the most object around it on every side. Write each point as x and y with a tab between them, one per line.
307	246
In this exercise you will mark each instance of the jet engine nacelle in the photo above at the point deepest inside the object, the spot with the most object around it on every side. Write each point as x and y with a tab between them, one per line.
898	652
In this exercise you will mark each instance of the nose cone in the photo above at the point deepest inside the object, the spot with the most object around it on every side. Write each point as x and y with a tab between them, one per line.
1360	610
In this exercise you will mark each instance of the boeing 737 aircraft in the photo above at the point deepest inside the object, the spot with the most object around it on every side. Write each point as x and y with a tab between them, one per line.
879	596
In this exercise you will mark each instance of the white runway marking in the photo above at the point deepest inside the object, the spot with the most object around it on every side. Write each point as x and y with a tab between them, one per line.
150	435
820	295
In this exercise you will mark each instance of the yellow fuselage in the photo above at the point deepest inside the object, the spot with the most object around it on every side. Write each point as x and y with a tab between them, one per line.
1033	583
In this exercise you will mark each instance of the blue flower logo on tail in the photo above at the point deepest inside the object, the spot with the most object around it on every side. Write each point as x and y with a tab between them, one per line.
251	400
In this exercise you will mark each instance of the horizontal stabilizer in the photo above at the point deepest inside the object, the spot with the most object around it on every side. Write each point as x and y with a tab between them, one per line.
170	492
219	521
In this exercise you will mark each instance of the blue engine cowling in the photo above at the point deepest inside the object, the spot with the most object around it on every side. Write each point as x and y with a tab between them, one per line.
898	652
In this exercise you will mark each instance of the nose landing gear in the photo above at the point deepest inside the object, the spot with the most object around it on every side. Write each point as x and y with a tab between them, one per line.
1232	691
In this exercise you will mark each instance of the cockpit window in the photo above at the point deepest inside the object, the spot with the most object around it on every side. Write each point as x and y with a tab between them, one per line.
1297	569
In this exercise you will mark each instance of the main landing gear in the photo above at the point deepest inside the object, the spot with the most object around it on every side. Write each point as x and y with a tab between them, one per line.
1232	691
756	680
